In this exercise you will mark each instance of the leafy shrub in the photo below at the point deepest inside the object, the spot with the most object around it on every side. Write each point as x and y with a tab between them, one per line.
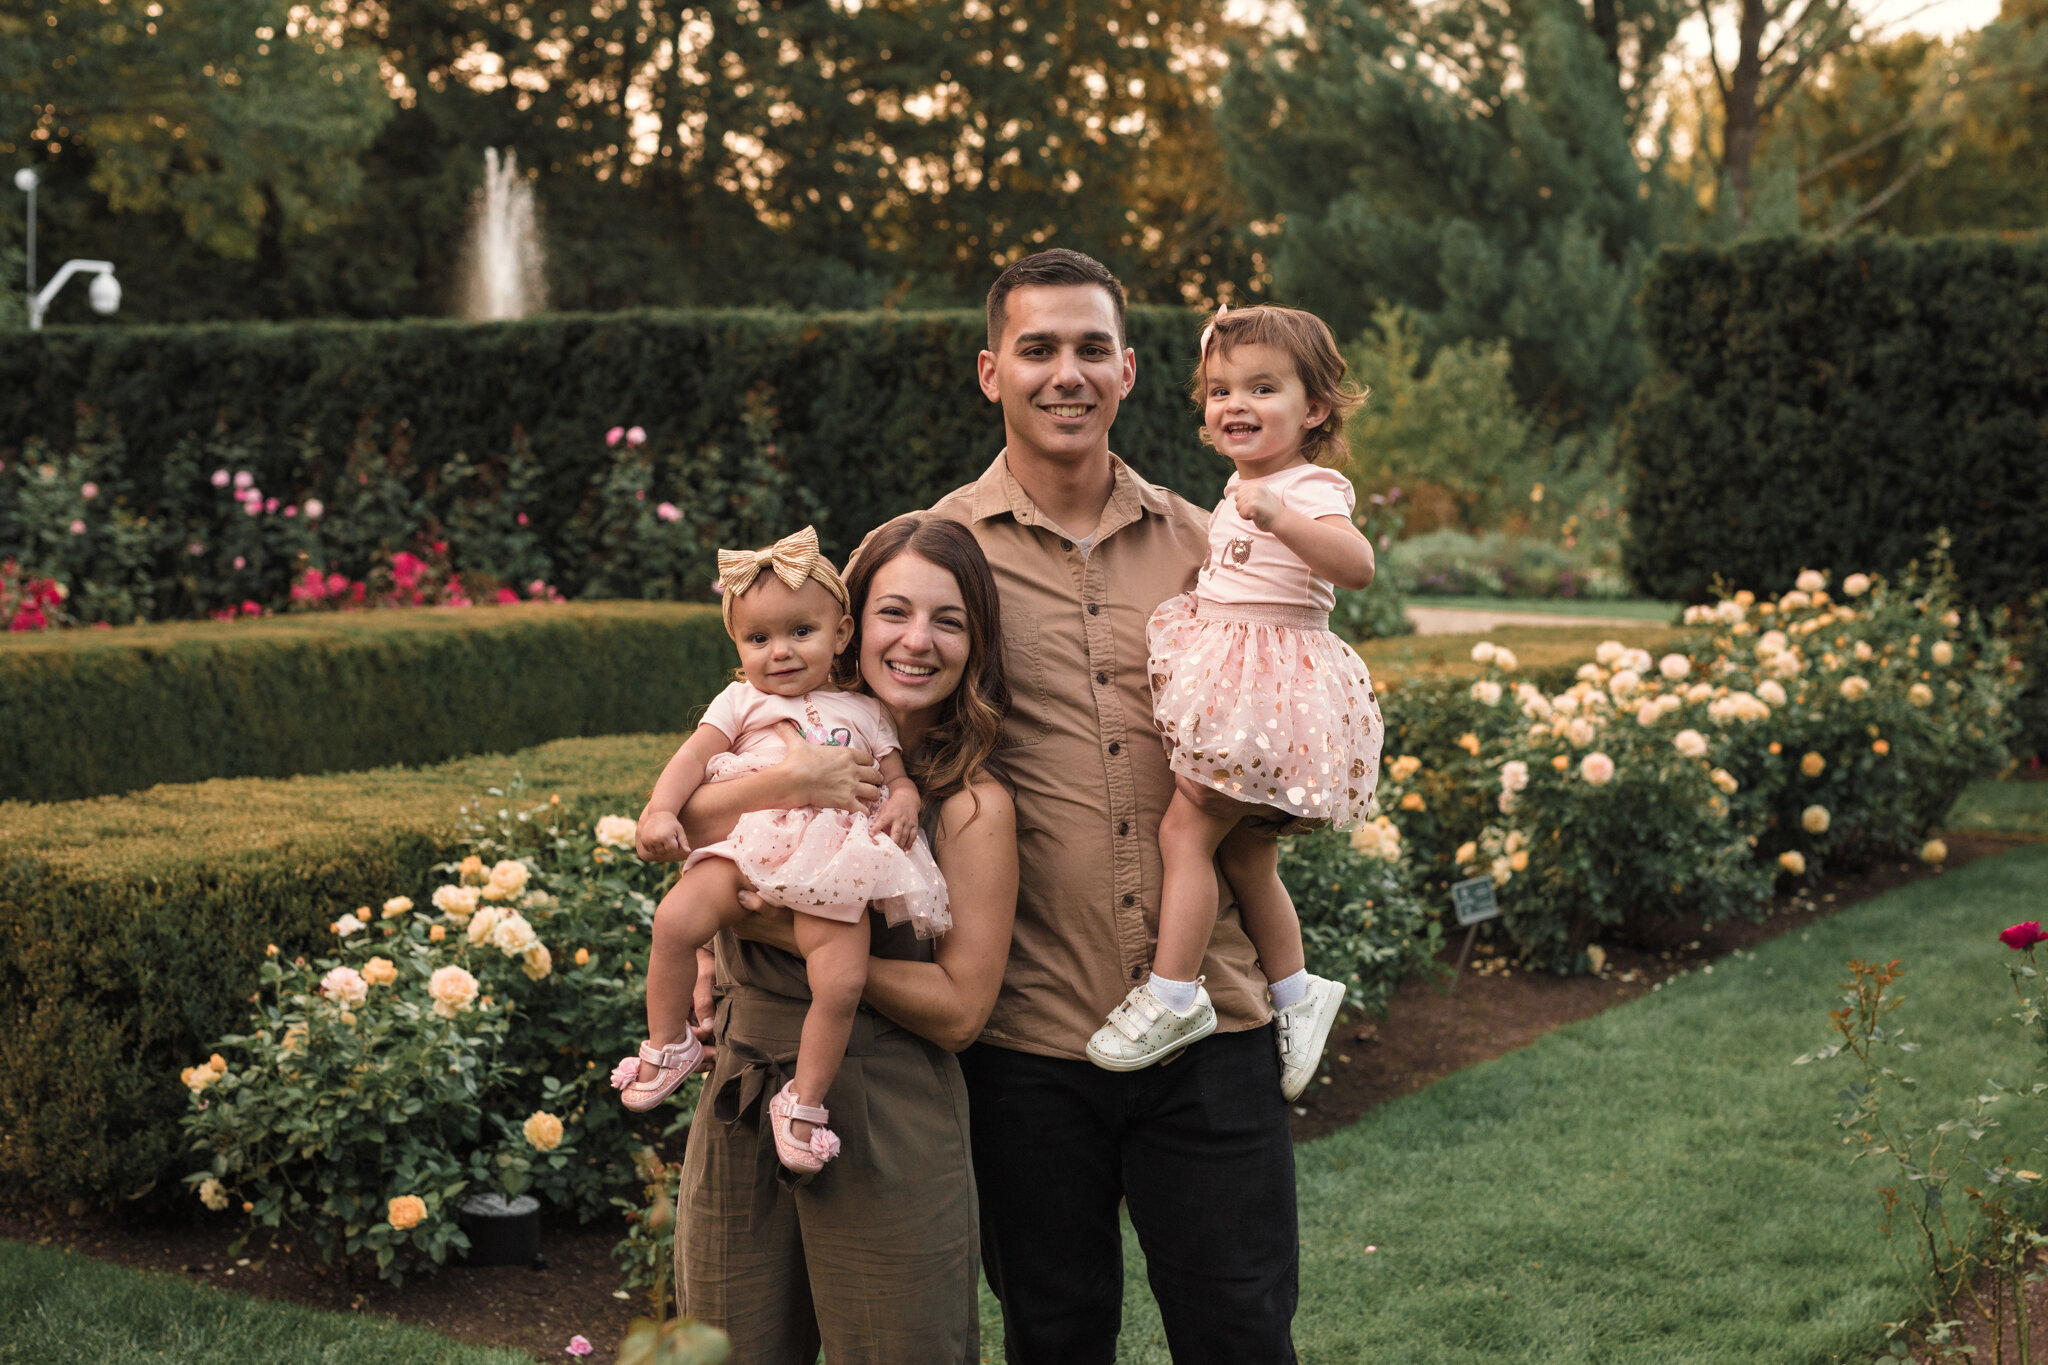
1361	924
1458	564
458	1043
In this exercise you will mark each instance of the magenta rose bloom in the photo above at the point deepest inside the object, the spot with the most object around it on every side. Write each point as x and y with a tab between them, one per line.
2021	937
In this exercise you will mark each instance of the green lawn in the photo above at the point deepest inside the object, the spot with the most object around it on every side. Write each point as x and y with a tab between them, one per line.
1655	1184
2001	808
61	1309
1634	608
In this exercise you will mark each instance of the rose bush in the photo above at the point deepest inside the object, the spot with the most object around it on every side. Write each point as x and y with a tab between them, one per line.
456	1040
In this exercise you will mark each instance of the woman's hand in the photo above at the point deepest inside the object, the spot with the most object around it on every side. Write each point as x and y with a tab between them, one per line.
774	925
658	837
828	776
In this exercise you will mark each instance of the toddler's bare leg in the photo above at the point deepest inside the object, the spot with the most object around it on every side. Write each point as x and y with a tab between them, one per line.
703	901
1188	838
1251	860
836	960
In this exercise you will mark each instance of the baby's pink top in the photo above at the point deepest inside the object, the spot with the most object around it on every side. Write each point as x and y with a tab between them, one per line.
749	718
1248	567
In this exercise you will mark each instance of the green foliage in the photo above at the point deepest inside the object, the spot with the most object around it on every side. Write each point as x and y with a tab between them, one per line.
93	712
1978	1255
1470	162
132	927
1833	404
1361	924
1456	564
434	1052
864	415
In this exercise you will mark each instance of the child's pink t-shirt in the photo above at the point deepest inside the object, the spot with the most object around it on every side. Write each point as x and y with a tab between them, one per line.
751	718
1247	567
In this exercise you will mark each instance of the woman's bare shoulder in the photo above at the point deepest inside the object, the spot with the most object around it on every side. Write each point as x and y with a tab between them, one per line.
984	799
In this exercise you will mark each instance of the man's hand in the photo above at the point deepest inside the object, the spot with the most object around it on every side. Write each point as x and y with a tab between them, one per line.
658	837
1257	503
700	1003
830	777
897	819
774	925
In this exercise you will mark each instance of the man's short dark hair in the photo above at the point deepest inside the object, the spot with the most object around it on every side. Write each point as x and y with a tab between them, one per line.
1057	266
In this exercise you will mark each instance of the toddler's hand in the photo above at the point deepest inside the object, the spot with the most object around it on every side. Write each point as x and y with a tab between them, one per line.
1257	503
897	819
658	837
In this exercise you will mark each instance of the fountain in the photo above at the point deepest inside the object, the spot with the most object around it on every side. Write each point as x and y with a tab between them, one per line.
501	275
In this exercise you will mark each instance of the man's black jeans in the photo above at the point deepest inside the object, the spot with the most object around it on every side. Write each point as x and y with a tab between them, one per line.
1201	1150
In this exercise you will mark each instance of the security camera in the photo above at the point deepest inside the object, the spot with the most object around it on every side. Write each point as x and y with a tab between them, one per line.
105	293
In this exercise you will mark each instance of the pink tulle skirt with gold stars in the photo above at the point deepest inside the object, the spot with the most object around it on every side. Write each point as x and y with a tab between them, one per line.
1267	705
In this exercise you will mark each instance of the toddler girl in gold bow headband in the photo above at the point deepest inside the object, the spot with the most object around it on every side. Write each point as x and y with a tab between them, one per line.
786	609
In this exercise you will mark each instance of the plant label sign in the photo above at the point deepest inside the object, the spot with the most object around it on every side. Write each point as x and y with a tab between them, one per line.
1473	901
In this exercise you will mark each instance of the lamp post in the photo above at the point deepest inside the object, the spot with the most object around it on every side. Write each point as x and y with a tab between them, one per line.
105	291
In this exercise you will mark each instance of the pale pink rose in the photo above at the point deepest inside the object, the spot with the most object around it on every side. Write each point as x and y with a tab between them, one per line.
241	563
636	436
315	509
244	479
522	518
253	507
77	528
345	985
195	548
1597	769
89	491
579	1345
453	989
668	511
220	478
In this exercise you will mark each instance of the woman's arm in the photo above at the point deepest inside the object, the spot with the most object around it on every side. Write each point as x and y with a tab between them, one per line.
821	775
948	999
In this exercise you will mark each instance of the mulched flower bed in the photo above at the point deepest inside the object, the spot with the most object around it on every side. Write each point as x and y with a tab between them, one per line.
1494	1008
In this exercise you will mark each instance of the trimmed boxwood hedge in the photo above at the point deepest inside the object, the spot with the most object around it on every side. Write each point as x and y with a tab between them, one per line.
131	926
91	712
875	413
1832	403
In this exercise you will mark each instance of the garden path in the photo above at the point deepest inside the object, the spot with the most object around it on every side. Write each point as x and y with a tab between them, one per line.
1469	620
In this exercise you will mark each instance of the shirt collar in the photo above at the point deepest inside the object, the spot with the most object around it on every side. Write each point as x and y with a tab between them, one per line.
997	491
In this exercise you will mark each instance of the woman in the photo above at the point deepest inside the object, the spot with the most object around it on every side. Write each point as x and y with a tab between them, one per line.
877	1257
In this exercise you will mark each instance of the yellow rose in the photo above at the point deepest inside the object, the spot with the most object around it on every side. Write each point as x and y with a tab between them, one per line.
1812	764
509	876
397	906
213	1194
615	831
456	902
1793	861
1934	851
380	971
1560	762
1814	819
1469	742
197	1078
217	1064
1413	801
1725	780
436	933
583	957
1920	694
470	868
537	962
543	1130
1880	746
1467	851
405	1211
1406	766
1519	860
452	989
1942	653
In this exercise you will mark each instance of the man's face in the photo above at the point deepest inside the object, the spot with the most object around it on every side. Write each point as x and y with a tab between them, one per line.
1059	372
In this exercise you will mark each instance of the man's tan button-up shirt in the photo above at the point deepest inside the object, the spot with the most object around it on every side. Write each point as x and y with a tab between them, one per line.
1086	761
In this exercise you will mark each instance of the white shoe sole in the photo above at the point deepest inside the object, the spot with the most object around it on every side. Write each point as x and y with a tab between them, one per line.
1330	999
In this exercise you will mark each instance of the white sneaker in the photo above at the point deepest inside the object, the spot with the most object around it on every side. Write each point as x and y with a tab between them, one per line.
1301	1029
1142	1030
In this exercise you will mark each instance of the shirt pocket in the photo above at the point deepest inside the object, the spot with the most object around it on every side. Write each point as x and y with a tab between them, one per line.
1030	715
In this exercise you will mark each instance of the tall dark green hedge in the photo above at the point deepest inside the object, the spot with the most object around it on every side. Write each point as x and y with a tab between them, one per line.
1831	404
875	412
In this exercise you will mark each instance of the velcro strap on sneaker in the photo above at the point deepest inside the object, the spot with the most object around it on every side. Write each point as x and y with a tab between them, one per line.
1123	1017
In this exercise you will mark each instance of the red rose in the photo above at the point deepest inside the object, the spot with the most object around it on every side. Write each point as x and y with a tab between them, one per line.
2021	937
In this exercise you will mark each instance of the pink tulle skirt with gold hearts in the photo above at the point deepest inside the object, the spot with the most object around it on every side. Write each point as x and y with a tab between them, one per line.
1267	705
828	863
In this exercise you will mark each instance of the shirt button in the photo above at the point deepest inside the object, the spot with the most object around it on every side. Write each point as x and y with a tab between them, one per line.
1115	748
1123	827
1102	677
1094	608
1130	900
1137	973
1066	544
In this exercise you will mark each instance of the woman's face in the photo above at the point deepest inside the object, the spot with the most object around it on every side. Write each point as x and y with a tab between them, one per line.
913	635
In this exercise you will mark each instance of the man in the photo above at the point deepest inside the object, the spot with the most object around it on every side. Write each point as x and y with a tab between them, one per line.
1083	550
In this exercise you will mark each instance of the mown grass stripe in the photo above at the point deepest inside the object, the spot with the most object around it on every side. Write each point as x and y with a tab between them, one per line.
57	1308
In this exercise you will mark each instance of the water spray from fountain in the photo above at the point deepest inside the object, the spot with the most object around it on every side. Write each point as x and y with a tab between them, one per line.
502	265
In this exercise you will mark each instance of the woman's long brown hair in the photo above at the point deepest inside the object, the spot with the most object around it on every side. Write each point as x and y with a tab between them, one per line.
959	745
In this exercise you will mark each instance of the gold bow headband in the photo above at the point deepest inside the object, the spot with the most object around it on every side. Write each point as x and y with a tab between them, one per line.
794	559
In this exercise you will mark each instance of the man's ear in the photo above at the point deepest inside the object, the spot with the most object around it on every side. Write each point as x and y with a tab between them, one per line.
1130	371
985	372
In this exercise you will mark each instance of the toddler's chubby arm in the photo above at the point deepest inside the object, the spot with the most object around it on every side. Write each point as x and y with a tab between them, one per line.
1331	546
658	835
897	819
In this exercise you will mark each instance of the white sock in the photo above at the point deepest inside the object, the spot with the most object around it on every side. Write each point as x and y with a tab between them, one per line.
1289	989
1178	996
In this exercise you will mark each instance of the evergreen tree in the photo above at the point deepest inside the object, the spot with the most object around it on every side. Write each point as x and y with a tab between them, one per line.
1472	161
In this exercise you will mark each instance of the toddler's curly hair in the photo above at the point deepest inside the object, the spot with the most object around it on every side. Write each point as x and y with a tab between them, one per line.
1306	340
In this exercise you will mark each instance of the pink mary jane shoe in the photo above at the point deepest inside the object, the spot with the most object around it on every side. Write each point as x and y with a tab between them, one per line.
801	1156
673	1065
